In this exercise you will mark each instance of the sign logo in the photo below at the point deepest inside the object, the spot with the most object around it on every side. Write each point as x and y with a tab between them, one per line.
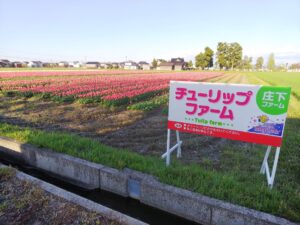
178	125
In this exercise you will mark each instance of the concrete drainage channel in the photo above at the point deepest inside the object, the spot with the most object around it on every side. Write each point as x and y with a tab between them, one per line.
78	200
142	187
114	203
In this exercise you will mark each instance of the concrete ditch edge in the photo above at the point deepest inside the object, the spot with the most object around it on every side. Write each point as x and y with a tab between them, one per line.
144	187
78	200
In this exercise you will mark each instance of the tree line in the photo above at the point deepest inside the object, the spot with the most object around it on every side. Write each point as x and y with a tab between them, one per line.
230	56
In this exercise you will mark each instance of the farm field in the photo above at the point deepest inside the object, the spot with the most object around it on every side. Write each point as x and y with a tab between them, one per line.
129	113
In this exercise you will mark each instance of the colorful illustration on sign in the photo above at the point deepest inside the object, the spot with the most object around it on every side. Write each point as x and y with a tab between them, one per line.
250	113
263	125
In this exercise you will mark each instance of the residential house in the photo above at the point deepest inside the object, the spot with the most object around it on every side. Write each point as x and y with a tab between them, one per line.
174	64
63	64
130	65
92	65
24	64
109	65
5	63
115	65
50	64
75	64
121	65
165	66
104	65
35	64
159	61
16	64
179	63
144	65
46	64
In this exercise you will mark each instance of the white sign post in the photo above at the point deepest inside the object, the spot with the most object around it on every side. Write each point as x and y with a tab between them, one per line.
251	113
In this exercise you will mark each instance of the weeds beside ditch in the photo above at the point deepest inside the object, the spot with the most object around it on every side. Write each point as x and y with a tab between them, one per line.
239	186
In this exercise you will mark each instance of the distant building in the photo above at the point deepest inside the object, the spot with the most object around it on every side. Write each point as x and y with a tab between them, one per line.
179	63
144	65
92	65
35	64
75	64
165	66
5	63
159	61
46	64
130	65
115	65
174	64
17	64
105	65
121	65
63	64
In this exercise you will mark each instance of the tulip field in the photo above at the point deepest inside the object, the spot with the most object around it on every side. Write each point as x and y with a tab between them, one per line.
119	118
109	89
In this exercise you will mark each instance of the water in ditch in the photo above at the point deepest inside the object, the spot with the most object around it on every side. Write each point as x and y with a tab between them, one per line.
127	206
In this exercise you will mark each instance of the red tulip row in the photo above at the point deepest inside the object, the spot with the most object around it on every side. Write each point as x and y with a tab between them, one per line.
108	88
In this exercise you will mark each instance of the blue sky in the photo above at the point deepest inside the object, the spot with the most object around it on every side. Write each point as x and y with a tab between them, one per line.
117	30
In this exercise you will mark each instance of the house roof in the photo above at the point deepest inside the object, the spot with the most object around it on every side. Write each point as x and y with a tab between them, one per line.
143	63
166	64
92	63
131	63
175	60
179	63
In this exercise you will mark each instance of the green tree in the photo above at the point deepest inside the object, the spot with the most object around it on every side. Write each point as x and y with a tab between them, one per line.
205	59
271	62
209	54
259	63
229	55
246	63
222	51
190	64
200	60
154	63
235	53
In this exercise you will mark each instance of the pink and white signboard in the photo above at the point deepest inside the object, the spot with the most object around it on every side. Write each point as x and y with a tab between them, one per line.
251	113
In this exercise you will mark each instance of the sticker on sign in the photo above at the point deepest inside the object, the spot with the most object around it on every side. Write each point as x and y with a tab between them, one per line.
251	113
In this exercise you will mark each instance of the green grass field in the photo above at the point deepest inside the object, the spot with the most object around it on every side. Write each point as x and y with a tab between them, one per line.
235	179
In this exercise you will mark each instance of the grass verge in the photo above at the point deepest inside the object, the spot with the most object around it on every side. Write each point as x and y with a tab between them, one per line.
243	188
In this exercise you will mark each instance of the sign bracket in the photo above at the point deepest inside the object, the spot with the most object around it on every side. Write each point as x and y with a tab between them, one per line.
265	166
169	150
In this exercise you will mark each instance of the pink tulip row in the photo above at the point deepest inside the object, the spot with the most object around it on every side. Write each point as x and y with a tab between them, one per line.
109	88
14	74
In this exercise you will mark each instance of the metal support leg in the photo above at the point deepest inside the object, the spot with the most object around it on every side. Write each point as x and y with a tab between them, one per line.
274	166
169	150
168	147
179	144
265	166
